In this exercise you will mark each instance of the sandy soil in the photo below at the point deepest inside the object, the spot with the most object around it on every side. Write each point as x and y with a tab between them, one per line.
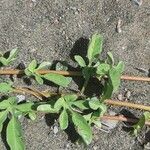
54	30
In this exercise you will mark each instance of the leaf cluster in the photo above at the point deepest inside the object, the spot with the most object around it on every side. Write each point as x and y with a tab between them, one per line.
82	112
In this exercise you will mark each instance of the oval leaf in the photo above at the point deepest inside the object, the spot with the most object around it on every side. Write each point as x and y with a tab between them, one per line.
13	54
38	79
63	119
80	60
14	135
94	103
3	116
46	108
103	69
115	75
44	65
32	66
58	79
5	87
83	128
26	107
70	97
95	47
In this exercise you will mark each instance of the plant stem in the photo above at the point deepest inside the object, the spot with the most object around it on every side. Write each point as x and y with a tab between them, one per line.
127	104
85	85
68	73
122	118
40	94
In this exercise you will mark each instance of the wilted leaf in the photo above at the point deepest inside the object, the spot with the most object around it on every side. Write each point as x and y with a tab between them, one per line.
5	87
80	60
14	135
95	47
58	79
83	128
63	120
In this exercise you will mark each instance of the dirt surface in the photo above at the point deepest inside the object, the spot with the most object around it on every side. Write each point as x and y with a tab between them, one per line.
49	30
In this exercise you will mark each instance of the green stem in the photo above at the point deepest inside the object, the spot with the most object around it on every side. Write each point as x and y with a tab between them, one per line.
85	85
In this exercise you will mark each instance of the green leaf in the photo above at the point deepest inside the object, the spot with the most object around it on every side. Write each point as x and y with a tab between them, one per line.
57	79
97	123
4	61
59	104
44	65
4	104
115	75
88	72
32	115
47	108
14	135
94	103
103	109
13	54
81	104
5	87
63	119
38	79
147	116
110	58
8	102
3	116
83	128
80	60
70	97
95	47
103	69
25	107
12	100
108	91
27	72
32	66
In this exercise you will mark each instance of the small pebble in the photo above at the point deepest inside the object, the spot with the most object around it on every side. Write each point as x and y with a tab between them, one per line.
55	129
21	98
138	2
120	97
118	27
33	1
95	147
147	146
128	94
